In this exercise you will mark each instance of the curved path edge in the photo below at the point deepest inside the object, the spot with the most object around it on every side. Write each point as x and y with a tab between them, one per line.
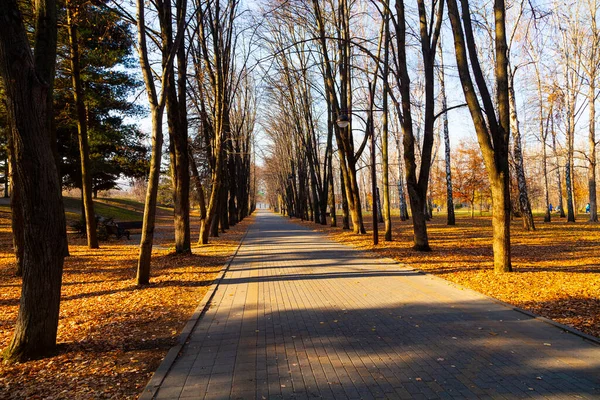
165	365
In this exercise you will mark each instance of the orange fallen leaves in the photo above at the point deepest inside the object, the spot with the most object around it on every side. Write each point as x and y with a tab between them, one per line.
557	267
112	334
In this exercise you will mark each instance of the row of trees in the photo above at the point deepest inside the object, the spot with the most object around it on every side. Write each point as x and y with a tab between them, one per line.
67	83
356	72
391	69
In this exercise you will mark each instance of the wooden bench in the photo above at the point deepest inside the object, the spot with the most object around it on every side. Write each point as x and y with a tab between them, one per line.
120	229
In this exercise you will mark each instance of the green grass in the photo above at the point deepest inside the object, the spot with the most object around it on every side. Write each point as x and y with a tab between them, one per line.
117	209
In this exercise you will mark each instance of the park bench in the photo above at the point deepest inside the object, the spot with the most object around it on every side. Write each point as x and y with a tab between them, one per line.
120	229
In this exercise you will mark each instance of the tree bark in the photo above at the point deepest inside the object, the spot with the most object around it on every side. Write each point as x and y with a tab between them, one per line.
6	175
401	193
157	105
344	137
143	268
35	171
345	211
176	104
451	218
418	184
524	204
198	184
569	162
332	209
493	132
17	222
592	155
387	217
82	132
557	161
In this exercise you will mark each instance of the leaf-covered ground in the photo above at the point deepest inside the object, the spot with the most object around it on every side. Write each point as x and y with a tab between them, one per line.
112	334
556	268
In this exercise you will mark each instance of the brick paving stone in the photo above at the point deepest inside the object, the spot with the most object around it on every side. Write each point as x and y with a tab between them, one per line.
298	316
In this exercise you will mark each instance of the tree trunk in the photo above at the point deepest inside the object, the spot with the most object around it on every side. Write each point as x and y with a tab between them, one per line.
544	137
38	185
547	216
570	104
17	222
198	184
592	155
387	217
524	204
332	210
493	131
211	210
418	184
143	268
501	222
176	104
557	161
401	193
344	137
345	211
6	174
569	184
82	133
451	218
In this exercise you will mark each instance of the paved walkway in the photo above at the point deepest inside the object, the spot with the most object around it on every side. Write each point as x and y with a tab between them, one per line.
298	316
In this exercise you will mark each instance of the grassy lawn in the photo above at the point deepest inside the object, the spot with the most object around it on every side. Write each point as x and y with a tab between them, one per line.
117	209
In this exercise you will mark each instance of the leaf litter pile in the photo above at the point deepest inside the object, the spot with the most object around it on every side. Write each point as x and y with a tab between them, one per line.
556	268
112	334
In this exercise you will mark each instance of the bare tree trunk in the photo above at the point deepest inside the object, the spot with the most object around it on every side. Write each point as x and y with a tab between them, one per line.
547	216
557	161
198	184
157	105
35	172
544	138
212	208
332	210
345	211
387	217
569	165
592	155
451	219
493	131
176	104
84	150
143	268
524	204
344	137
17	223
418	184
569	185
401	193
6	174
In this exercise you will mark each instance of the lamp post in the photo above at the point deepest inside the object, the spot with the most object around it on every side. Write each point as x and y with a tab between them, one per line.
342	122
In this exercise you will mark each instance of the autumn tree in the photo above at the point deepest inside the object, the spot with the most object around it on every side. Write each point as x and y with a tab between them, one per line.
341	101
156	100
451	219
73	12
214	69
27	71
491	121
430	22
176	105
470	180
